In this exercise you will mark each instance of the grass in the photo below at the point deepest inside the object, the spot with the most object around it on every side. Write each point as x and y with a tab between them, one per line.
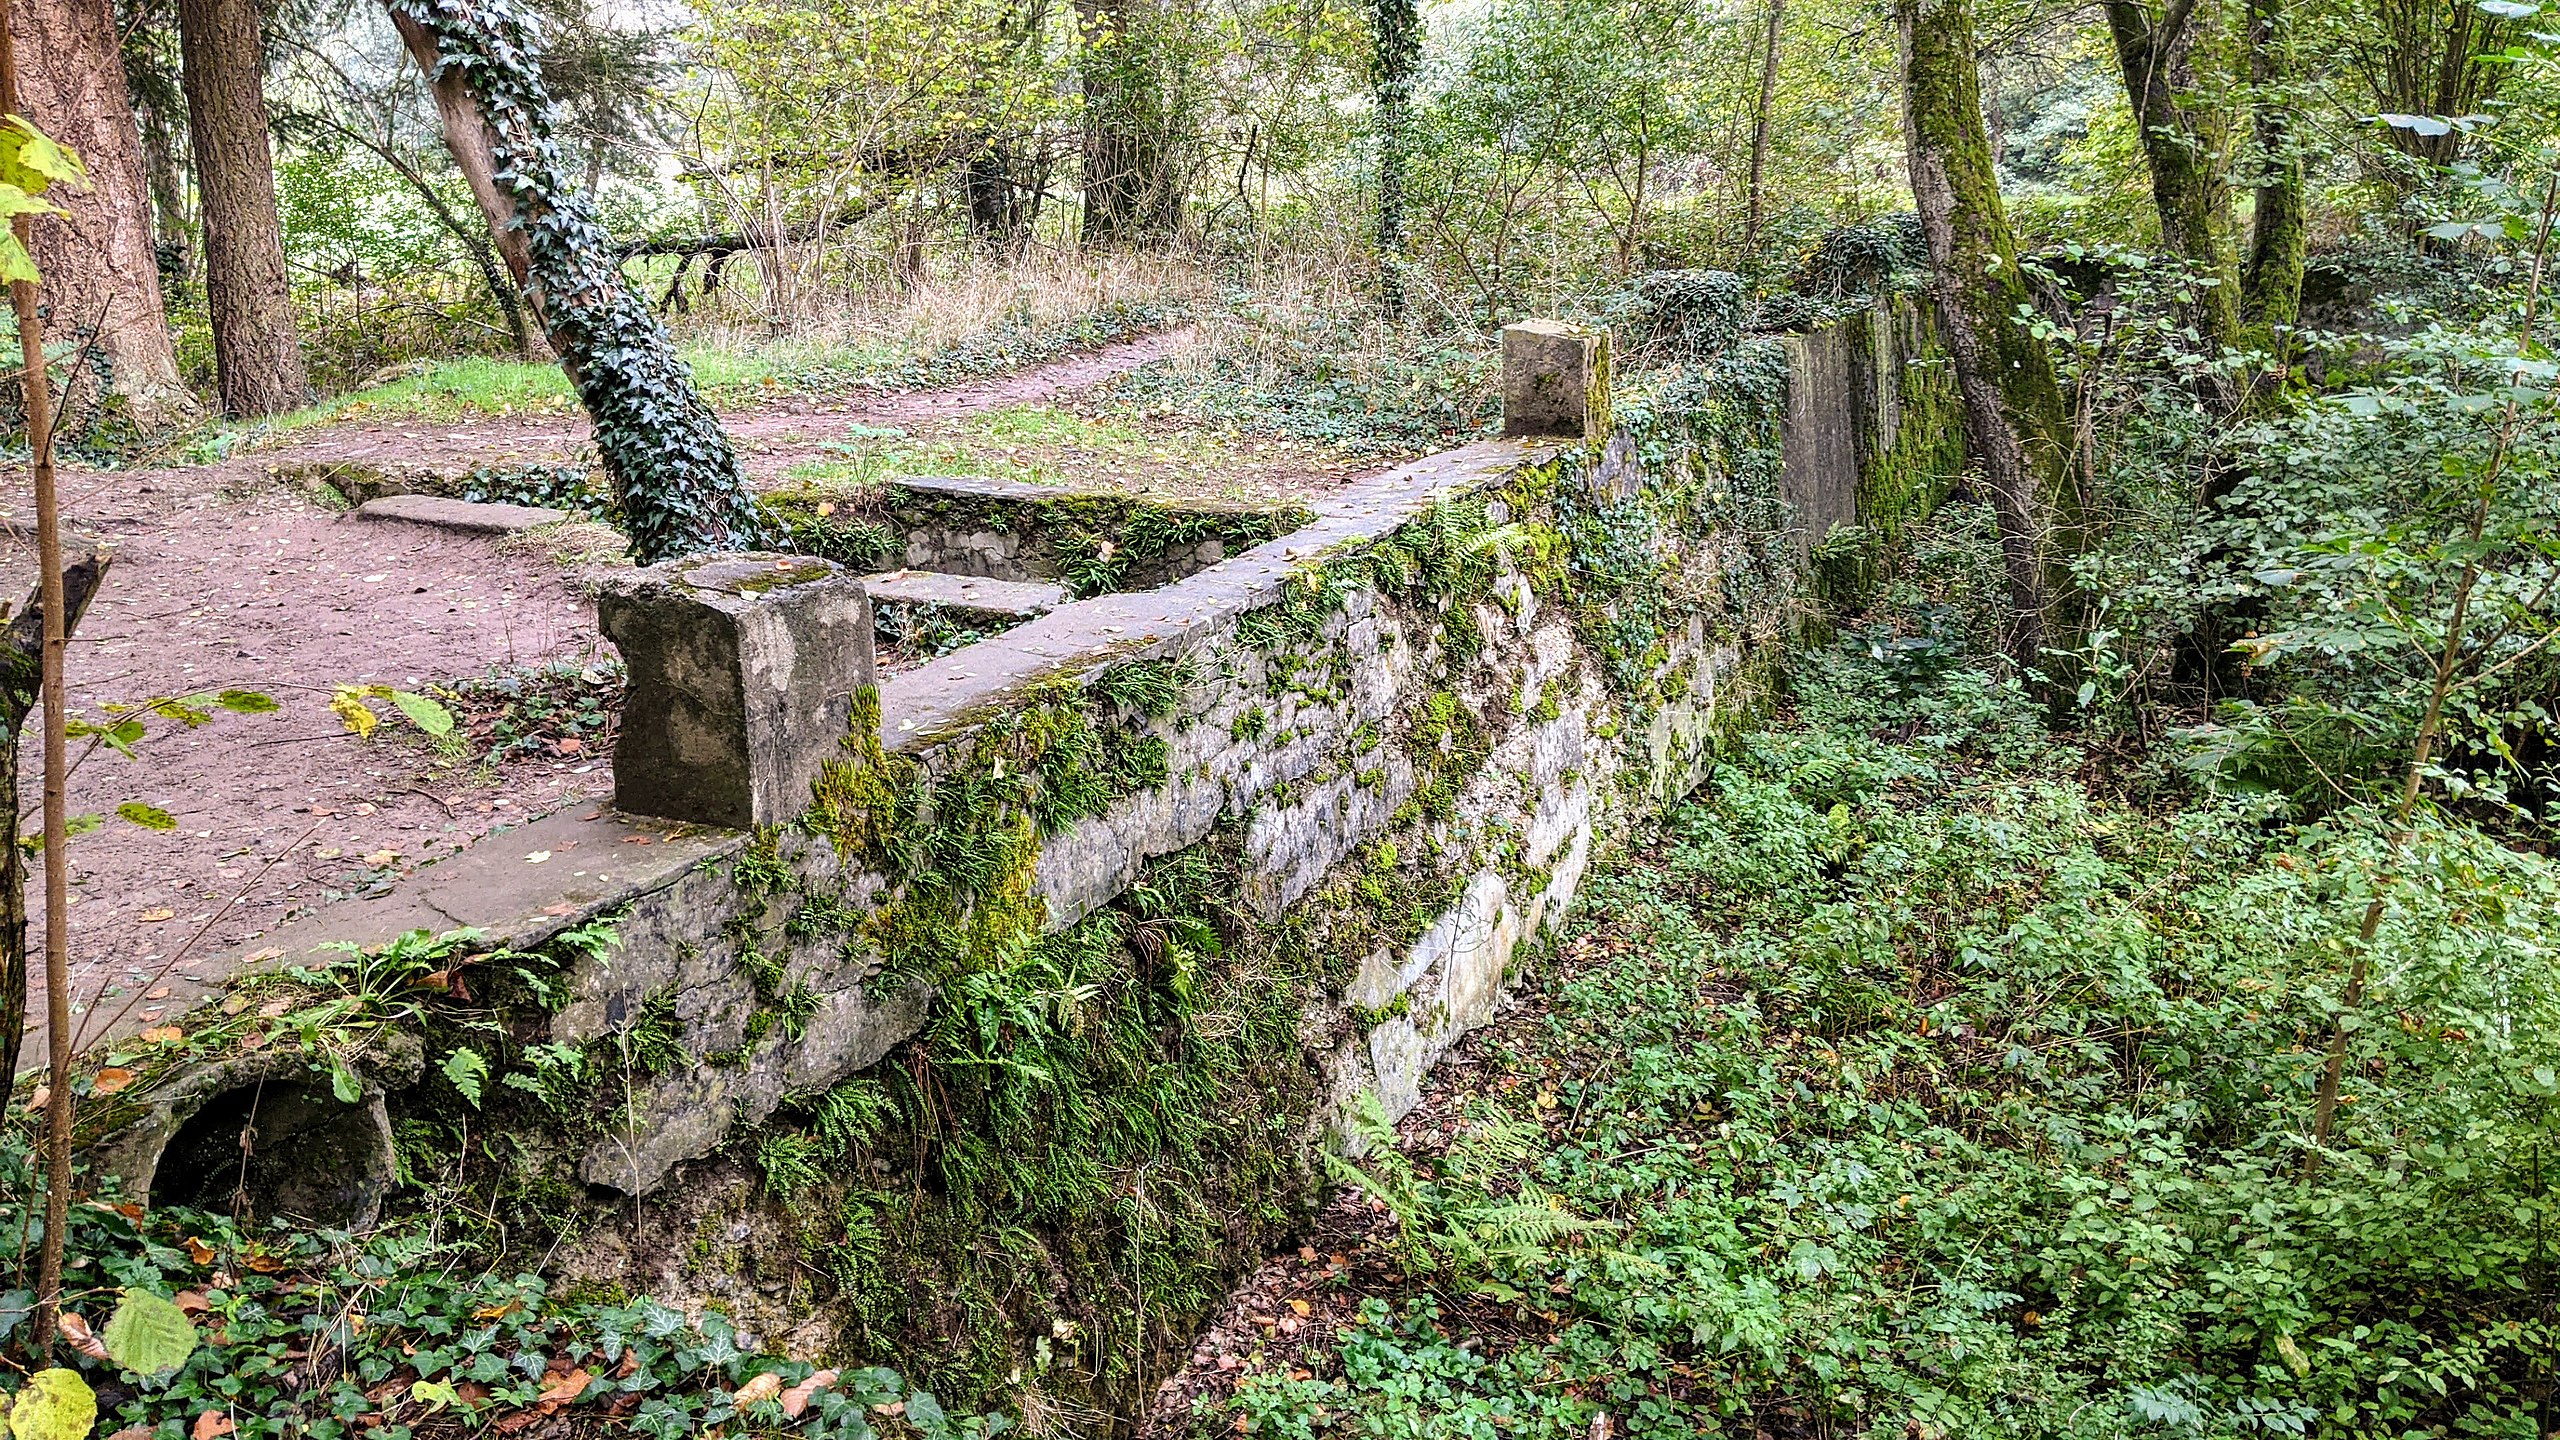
1047	444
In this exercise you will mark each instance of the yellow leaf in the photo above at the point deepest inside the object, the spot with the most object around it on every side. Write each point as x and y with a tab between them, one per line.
350	707
111	1080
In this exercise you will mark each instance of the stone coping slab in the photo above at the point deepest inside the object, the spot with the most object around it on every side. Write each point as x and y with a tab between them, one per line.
596	860
1010	598
521	886
482	517
928	702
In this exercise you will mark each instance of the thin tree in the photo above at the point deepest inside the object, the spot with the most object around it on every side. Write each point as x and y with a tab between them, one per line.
1399	37
32	164
2017	429
2271	286
671	465
1762	116
257	352
2181	146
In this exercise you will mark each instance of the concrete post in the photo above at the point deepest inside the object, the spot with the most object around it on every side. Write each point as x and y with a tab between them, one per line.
742	669
1555	380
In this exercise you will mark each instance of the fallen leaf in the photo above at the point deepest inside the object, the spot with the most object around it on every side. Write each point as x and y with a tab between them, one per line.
132	1432
234	1005
565	1389
537	857
193	1301
796	1399
497	1312
154	917
111	1080
762	1387
156	992
210	1424
198	1251
43	1095
274	1009
77	1334
253	1040
257	956
1302	1307
380	858
163	1035
265	1264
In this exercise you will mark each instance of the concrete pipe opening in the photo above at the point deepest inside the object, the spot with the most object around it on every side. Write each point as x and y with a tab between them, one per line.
281	1149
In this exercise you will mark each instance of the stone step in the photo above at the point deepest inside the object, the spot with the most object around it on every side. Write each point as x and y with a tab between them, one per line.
1011	599
479	516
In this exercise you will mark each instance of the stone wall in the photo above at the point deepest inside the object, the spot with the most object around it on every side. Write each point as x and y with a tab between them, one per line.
1244	845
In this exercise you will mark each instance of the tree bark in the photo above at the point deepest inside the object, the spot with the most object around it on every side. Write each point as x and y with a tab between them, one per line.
672	466
99	268
1760	126
257	353
21	668
2017	429
2181	152
2272	284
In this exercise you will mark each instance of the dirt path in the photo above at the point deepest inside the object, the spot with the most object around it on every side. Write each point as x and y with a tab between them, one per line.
770	438
225	579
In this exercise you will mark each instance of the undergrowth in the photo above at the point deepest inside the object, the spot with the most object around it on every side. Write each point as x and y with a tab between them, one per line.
1901	1086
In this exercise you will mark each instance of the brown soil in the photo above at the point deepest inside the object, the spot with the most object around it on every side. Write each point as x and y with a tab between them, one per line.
222	578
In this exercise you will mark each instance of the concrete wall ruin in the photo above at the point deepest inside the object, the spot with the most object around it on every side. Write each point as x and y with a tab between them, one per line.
1395	737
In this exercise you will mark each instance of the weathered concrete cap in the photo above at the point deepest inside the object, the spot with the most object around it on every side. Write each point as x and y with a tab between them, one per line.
1555	380
1009	598
481	516
742	670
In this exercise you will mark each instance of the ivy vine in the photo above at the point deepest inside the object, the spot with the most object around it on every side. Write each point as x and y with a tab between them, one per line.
678	480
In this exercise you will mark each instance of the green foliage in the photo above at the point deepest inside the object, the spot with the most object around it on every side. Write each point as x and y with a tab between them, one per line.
416	1336
1936	1095
149	1334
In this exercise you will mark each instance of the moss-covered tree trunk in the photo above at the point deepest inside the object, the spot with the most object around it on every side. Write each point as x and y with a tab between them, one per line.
2016	426
1399	36
2272	285
2181	147
671	465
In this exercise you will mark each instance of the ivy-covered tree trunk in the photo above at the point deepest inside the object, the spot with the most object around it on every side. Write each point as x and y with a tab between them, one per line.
2181	148
1399	24
672	468
1762	117
2017	429
2272	285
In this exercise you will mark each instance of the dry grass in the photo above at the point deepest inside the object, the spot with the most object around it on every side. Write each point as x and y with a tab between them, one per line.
869	313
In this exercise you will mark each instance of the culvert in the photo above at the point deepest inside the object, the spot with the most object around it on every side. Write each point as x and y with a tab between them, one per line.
264	1138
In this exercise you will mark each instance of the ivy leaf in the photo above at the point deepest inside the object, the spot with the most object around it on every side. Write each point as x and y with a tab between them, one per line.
149	1335
149	817
424	713
56	1405
246	702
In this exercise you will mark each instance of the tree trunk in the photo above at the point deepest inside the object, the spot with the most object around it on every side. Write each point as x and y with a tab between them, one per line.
257	354
2272	285
672	467
2017	429
2181	152
1399	24
1760	126
1132	161
21	669
101	278
173	224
